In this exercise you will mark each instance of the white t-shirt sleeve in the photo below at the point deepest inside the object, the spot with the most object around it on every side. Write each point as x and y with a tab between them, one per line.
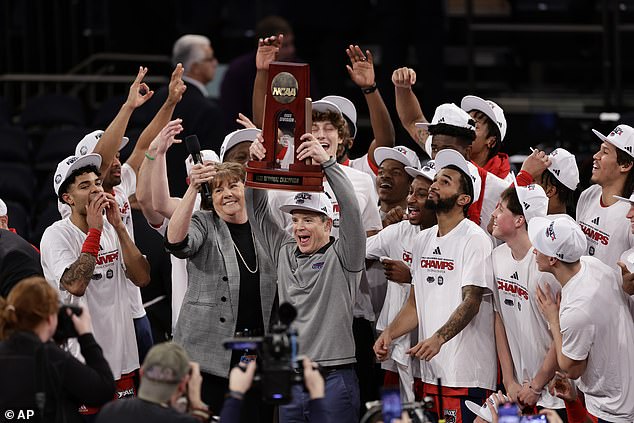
376	245
477	263
128	180
58	255
370	212
578	332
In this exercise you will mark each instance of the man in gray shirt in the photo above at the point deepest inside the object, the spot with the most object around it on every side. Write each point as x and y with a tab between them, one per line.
319	276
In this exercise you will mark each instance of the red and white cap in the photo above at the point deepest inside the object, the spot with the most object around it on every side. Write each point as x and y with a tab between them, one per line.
427	171
89	142
533	200
559	237
489	108
347	109
317	202
400	153
564	167
68	166
622	137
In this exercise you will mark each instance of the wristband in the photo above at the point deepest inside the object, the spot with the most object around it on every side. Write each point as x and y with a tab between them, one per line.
91	244
533	390
201	413
149	157
369	90
235	394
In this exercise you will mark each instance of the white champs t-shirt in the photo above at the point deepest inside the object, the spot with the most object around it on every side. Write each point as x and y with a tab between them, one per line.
526	329
596	325
441	267
607	229
106	297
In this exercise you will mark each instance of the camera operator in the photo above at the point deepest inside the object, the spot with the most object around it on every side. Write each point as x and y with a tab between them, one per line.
167	377
241	378
35	374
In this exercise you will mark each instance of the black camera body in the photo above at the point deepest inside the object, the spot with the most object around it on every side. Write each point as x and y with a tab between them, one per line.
65	327
279	368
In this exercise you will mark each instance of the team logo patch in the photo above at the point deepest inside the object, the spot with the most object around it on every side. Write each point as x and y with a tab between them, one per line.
58	178
109	274
302	197
616	131
83	150
550	231
450	416
318	265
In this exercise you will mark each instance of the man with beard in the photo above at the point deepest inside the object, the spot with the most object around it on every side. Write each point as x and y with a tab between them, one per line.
395	242
451	273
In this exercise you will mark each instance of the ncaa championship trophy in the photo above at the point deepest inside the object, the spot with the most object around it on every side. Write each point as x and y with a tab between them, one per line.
287	116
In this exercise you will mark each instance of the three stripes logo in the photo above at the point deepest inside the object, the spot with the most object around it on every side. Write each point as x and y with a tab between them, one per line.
556	171
628	148
437	251
515	276
526	205
595	220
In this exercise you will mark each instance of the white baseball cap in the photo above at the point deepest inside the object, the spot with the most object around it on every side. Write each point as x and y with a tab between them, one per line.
68	166
3	208
483	411
489	108
236	137
629	200
533	200
558	237
449	157
326	106
428	145
450	114
622	137
89	142
347	109
564	167
206	155
317	202
428	170
400	153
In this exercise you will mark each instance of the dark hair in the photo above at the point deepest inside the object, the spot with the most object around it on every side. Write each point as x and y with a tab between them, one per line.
272	25
492	131
29	303
63	188
466	186
622	158
512	200
463	135
566	195
336	119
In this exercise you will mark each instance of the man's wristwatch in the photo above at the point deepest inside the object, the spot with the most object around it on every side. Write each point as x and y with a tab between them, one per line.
370	89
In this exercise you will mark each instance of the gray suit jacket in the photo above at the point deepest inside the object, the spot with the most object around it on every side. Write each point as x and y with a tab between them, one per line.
210	308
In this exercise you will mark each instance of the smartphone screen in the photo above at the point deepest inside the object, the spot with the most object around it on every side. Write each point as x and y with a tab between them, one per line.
535	418
391	404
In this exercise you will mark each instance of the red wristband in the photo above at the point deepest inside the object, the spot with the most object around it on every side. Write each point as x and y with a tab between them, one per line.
576	411
91	244
524	178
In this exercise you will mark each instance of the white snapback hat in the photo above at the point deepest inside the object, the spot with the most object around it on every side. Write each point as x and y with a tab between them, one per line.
428	170
400	153
450	114
236	137
489	108
69	164
89	142
484	411
347	109
564	167
326	106
317	202
622	137
3	208
206	155
533	200
560	237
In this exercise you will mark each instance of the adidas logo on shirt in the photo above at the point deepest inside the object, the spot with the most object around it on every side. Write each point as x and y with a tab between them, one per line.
595	220
437	251
515	276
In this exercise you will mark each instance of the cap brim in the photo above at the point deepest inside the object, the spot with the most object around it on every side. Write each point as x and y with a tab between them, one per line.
535	226
479	411
427	174
472	102
425	125
290	208
124	142
384	153
326	106
629	200
449	157
93	159
600	135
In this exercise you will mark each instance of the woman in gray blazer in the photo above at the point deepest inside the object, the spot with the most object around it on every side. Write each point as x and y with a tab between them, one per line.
231	282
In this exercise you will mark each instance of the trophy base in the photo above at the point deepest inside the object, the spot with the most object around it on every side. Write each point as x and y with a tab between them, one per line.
287	180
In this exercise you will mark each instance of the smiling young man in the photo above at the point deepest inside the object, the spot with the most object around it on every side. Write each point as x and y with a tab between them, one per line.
451	273
319	275
590	321
91	259
600	215
395	241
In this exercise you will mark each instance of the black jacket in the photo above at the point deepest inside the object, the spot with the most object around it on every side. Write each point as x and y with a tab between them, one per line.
67	382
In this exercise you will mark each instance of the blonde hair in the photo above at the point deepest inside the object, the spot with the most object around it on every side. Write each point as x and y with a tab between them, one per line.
29	303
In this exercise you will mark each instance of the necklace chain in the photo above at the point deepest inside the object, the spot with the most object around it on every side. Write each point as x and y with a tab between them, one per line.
242	258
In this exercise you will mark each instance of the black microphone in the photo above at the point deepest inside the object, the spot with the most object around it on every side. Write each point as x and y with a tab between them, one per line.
193	147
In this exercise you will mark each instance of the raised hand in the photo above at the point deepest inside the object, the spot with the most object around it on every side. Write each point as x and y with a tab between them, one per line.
245	121
139	91
362	70
267	51
176	86
395	215
94	210
311	149
256	149
112	212
536	163
201	173
404	77
166	137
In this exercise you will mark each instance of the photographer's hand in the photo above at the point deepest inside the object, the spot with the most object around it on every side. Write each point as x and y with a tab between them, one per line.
193	387
83	323
313	380
241	377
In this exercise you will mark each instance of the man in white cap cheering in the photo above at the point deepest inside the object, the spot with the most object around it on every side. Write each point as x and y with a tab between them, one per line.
590	320
600	215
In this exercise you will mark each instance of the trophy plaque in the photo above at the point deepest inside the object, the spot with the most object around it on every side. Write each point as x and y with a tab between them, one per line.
287	116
